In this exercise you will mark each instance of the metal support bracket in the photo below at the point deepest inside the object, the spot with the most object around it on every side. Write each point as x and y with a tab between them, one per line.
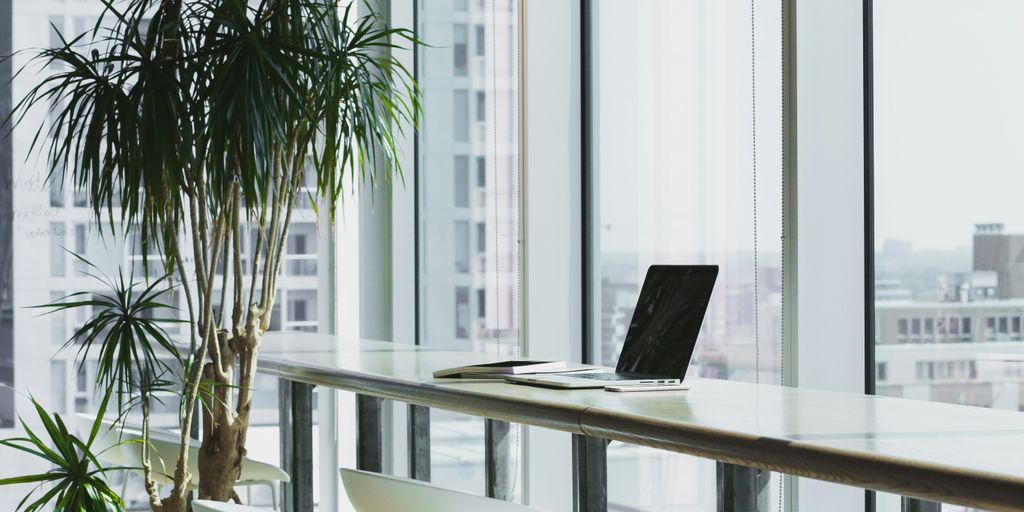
498	459
419	442
742	489
370	444
589	474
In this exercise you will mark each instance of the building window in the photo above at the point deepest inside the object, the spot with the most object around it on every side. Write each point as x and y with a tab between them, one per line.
80	249
481	107
481	41
902	328
56	193
880	371
461	181
460	116
481	172
1003	322
929	328
462	312
460	50
461	246
481	237
81	200
58	386
481	303
915	327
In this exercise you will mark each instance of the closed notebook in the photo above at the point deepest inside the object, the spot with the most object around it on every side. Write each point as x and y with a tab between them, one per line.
501	368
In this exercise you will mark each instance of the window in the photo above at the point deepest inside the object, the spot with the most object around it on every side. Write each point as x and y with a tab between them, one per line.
460	50
462	312
673	181
461	181
481	106
881	371
481	172
481	41
946	215
467	186
80	249
461	246
58	386
56	194
460	116
903	329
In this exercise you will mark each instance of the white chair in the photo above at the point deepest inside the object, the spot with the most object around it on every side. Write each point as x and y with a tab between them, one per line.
373	492
216	506
118	446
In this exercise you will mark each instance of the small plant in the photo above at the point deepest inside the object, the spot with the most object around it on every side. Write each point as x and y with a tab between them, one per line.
125	331
77	481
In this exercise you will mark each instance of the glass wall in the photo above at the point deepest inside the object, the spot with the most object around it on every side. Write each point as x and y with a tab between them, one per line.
949	227
468	201
687	169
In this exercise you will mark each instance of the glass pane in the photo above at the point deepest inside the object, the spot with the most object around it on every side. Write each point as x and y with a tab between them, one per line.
948	223
468	189
675	181
946	246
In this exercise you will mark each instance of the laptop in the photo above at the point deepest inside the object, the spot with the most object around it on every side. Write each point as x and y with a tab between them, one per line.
661	335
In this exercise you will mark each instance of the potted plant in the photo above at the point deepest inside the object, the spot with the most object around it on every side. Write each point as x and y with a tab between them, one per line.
193	122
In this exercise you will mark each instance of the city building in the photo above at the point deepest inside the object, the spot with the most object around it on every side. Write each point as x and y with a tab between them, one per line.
965	346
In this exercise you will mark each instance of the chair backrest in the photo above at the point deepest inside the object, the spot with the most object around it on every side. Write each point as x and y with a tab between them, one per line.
119	444
372	492
216	506
113	444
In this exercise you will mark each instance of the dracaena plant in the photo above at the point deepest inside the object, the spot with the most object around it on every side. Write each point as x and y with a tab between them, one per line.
75	481
134	357
198	121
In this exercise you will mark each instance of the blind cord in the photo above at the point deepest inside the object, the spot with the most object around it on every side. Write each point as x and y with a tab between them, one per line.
753	124
783	87
513	8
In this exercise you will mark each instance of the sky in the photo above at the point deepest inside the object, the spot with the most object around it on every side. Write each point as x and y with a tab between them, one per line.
949	119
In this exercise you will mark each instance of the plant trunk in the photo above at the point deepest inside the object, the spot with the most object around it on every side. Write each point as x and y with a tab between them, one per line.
220	461
226	416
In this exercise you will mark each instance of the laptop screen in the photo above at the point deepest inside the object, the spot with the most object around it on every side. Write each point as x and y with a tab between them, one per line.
667	320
